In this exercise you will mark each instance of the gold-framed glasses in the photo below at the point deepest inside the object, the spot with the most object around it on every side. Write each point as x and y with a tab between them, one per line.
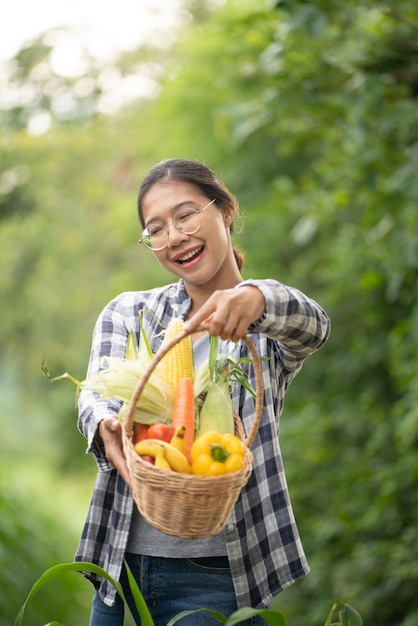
186	220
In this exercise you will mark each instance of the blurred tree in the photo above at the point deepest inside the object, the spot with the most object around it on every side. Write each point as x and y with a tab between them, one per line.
41	92
308	111
315	129
34	535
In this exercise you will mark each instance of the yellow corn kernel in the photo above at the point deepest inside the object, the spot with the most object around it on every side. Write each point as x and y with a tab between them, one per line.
178	362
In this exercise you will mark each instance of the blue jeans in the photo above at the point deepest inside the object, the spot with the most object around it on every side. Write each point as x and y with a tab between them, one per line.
170	586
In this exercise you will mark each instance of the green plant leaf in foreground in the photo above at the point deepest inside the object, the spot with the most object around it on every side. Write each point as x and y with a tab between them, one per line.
146	619
341	614
57	570
344	614
220	617
271	616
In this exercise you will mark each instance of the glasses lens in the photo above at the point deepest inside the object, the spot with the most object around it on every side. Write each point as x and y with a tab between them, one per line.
187	221
155	237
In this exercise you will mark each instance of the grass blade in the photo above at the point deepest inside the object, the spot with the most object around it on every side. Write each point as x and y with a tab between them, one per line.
345	614
218	616
270	616
57	570
146	619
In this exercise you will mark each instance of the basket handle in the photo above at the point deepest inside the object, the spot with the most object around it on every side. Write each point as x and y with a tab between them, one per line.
166	348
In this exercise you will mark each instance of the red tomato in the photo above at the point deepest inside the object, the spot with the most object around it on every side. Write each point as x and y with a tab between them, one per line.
148	459
140	431
160	431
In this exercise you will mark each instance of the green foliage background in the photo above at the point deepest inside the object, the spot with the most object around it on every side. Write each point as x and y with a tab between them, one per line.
308	111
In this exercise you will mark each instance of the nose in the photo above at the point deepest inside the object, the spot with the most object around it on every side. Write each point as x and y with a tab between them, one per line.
175	236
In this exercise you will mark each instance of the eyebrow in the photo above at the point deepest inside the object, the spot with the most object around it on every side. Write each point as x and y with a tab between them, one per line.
173	210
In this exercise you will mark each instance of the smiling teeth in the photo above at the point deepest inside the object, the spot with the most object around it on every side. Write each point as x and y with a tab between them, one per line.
189	256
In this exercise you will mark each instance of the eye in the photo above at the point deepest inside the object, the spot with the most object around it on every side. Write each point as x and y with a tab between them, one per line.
155	230
184	215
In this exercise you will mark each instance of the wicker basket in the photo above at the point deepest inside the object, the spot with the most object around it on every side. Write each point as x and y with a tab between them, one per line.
187	505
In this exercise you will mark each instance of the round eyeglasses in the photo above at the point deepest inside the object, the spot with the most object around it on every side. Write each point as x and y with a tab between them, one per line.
186	220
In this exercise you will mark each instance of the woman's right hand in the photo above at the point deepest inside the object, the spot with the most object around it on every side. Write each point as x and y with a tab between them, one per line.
110	430
228	313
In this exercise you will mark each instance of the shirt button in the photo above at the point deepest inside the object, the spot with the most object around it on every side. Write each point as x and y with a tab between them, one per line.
231	528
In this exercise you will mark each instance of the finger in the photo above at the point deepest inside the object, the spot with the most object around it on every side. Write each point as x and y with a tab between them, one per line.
233	330
197	320
124	472
206	312
218	325
112	424
239	331
117	460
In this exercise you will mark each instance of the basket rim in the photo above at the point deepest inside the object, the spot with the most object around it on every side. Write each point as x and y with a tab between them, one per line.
180	477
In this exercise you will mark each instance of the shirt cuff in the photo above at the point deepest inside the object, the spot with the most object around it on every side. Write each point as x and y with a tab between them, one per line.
254	325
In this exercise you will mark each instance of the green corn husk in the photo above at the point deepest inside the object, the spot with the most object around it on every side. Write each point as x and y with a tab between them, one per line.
213	390
217	412
118	380
119	377
131	353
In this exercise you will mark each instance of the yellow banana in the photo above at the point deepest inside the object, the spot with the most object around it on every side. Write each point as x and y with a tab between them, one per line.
174	457
160	460
178	439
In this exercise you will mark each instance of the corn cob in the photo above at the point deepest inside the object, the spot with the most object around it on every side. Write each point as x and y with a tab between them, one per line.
178	362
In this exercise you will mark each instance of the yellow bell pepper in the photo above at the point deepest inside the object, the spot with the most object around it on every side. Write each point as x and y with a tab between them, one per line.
214	454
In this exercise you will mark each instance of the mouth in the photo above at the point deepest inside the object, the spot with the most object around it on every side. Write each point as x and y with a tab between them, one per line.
190	256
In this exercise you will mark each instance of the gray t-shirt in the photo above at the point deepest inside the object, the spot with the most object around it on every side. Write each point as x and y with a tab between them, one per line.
146	540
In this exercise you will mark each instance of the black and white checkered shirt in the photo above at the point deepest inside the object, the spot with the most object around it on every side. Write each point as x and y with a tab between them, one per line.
263	544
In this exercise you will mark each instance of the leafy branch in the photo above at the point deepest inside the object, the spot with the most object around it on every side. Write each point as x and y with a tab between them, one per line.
392	10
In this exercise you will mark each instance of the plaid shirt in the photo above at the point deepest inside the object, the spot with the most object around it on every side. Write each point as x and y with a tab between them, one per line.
263	544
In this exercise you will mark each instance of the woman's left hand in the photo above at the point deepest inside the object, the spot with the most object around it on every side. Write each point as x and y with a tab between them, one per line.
229	312
110	430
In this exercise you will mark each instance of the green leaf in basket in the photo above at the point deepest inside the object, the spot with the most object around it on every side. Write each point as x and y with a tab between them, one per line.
131	353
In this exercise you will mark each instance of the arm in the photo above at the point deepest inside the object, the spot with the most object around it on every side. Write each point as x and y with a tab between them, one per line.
296	321
98	420
266	306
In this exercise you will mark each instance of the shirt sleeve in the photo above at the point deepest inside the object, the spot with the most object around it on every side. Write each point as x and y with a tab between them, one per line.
109	339
293	319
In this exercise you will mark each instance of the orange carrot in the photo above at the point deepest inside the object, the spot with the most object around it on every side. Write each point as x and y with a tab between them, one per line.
184	412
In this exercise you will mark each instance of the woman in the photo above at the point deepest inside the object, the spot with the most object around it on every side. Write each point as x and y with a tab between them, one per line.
187	215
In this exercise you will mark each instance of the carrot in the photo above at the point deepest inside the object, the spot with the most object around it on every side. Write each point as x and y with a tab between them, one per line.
184	412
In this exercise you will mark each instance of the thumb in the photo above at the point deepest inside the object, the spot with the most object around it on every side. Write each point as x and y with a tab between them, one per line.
112	423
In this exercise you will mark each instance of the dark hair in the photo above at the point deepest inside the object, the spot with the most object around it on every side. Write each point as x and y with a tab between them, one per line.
199	175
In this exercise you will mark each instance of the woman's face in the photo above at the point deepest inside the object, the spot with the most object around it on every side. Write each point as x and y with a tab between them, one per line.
205	259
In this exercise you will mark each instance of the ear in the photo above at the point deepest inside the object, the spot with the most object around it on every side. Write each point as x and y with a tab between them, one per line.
228	215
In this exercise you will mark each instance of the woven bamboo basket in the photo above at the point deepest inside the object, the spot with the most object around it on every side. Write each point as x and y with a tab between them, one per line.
187	505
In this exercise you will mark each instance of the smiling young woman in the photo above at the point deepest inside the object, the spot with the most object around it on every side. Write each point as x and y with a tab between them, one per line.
187	215
202	180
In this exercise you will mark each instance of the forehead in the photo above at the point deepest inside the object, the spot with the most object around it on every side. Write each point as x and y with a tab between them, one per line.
165	197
